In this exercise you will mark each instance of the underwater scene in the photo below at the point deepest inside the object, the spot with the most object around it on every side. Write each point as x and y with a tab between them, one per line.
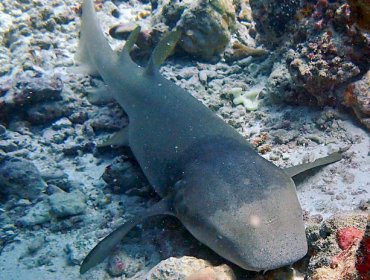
185	139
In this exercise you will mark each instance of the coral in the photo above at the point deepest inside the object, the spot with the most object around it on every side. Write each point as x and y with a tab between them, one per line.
260	139
273	18
334	251
318	68
327	49
249	99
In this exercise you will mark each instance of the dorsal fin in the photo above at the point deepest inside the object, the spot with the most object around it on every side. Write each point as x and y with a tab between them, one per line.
163	49
297	169
106	246
130	42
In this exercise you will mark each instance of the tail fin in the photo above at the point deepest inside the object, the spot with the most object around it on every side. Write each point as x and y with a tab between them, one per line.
94	51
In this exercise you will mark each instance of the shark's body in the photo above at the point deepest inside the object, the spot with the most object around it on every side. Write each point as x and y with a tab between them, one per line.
230	198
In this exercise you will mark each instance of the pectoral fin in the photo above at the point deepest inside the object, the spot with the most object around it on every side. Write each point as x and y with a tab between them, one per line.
101	95
106	246
297	169
120	138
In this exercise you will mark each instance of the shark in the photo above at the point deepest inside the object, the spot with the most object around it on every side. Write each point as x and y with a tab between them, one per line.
208	176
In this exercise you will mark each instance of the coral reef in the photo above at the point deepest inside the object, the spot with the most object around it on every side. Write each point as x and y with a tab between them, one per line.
328	48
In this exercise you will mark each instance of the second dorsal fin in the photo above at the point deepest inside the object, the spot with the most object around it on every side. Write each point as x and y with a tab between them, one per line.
163	49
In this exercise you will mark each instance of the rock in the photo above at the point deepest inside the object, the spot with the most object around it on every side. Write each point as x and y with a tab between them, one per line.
222	272
48	112
51	136
360	13
282	136
273	18
357	97
59	179
108	119
79	117
327	49
2	129
66	224
36	215
20	177
279	84
125	177
122	30
206	26
35	245
28	88
334	247
123	263
239	51
62	123
8	146
189	268
64	204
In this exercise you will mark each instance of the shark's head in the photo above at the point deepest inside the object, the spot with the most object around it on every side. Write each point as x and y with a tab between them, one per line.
243	207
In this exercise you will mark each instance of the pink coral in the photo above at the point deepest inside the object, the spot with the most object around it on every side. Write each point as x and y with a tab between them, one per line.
348	236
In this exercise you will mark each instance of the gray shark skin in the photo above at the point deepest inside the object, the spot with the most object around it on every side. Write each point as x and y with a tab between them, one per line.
230	198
